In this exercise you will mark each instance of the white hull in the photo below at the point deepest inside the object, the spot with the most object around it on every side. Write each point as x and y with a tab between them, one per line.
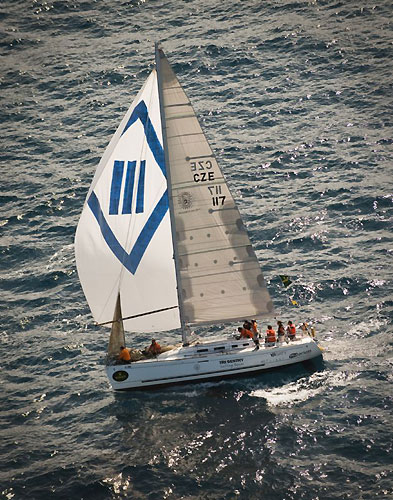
209	360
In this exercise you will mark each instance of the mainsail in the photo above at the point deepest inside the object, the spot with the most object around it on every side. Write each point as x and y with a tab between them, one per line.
206	271
220	277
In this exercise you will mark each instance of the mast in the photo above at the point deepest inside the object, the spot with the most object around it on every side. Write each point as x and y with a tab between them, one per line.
158	54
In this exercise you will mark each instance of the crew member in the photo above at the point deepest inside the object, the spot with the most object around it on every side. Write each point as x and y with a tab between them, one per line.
124	355
270	335
244	333
154	348
291	330
305	329
247	325
280	331
255	333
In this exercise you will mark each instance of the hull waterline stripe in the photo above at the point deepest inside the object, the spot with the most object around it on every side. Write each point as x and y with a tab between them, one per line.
218	373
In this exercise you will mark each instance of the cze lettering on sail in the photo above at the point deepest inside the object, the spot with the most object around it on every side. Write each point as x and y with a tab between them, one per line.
204	176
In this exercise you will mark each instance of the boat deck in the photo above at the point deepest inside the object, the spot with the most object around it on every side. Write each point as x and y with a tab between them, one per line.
223	346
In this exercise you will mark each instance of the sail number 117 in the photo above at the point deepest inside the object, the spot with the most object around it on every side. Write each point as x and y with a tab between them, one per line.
217	197
203	173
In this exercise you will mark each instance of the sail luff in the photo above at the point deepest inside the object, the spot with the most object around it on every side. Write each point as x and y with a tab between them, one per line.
158	55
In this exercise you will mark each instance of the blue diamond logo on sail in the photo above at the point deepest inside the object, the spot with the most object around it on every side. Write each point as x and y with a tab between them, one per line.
132	260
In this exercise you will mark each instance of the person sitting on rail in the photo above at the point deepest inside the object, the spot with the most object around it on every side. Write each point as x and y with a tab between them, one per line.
270	335
291	331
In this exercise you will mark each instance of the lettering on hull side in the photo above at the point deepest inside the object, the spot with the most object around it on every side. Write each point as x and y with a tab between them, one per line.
224	362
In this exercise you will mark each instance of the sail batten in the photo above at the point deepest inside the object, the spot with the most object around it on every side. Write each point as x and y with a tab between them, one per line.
223	249
181	117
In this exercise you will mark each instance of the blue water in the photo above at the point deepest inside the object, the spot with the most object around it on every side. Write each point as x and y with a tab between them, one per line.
296	100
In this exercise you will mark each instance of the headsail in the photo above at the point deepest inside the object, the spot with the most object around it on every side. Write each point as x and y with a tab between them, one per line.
123	243
220	277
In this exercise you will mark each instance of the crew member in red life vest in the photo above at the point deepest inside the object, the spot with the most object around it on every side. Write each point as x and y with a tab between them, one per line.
255	333
244	333
270	335
124	355
291	330
154	348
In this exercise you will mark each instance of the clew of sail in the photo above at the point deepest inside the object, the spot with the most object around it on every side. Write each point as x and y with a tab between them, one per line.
123	243
220	277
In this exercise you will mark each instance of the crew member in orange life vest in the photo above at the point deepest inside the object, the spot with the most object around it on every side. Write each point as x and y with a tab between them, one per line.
291	331
247	325
244	333
124	355
255	333
270	335
154	348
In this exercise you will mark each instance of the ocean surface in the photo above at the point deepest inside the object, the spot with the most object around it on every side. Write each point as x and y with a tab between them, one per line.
296	99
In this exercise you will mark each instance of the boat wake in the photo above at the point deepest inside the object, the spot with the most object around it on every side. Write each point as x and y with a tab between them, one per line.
304	389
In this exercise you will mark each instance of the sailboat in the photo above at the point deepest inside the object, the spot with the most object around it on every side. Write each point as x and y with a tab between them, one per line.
160	246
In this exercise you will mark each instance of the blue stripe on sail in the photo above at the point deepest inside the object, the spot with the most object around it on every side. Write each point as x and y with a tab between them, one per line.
140	112
129	187
148	231
141	188
117	177
130	261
